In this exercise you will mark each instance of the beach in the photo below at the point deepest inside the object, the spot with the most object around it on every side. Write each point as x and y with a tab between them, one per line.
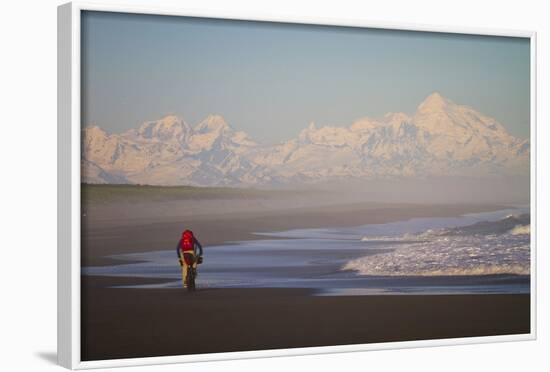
120	322
140	227
131	323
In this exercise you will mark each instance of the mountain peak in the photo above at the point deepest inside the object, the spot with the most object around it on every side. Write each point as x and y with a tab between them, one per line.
305	133
170	120
441	139
170	126
94	131
396	118
211	123
364	124
434	102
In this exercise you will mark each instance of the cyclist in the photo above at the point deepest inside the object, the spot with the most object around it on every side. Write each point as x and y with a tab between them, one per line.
189	254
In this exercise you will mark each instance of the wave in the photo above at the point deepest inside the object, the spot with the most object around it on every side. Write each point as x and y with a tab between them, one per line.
483	248
502	226
387	238
521	230
377	270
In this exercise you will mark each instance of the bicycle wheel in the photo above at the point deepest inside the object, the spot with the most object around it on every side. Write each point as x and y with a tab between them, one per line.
190	280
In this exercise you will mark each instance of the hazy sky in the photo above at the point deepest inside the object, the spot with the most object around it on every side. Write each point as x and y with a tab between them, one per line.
271	80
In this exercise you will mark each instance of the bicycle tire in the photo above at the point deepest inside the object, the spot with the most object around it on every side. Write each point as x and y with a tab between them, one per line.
190	280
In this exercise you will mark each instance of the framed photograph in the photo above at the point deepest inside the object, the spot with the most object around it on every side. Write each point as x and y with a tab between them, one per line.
236	186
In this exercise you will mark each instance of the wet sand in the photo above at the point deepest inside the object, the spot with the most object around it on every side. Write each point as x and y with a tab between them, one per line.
103	235
130	323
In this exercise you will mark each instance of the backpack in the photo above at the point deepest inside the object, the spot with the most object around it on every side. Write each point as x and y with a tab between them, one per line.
187	241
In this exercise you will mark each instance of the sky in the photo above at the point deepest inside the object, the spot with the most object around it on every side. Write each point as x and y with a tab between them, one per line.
272	79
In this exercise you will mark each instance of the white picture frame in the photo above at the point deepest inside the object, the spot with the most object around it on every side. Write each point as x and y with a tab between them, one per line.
69	154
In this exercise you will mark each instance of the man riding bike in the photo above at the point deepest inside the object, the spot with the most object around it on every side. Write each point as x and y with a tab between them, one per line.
189	254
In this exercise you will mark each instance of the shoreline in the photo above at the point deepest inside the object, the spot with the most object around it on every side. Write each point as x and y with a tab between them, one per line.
136	322
100	240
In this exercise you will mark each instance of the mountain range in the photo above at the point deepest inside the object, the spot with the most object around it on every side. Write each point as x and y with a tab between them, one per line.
440	139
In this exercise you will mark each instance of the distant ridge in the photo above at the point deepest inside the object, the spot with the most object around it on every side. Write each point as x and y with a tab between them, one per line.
441	138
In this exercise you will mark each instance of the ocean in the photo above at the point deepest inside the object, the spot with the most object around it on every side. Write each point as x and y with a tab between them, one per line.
474	253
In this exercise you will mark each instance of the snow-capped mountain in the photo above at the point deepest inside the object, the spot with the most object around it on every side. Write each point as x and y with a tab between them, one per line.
167	152
440	138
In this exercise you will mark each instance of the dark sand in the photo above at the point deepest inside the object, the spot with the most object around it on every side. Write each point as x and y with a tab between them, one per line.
129	323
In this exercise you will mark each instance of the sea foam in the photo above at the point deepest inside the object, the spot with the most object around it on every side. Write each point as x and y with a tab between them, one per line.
521	230
462	251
